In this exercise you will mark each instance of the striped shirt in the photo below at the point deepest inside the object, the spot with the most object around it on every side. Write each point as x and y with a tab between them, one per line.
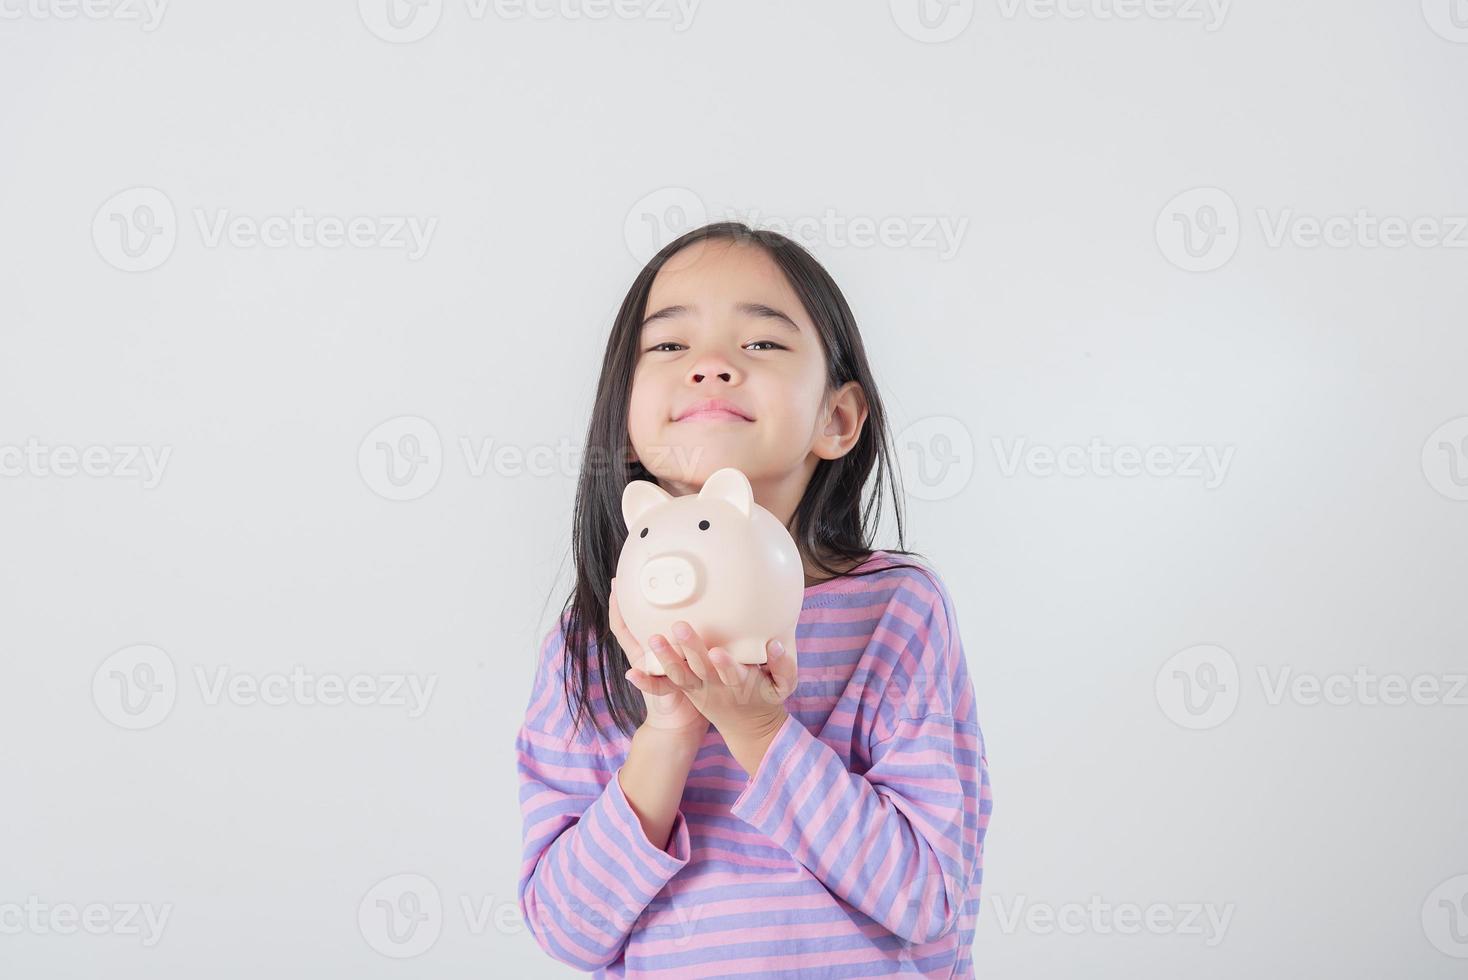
855	850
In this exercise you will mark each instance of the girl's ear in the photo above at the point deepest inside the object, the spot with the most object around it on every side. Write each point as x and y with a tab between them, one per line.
638	497
731	486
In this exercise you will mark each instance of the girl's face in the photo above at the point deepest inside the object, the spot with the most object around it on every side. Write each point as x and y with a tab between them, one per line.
723	325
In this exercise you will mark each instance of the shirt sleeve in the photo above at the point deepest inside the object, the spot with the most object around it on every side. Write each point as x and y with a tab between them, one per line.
588	870
903	841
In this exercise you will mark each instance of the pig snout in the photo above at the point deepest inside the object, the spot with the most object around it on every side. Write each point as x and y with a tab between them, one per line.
668	580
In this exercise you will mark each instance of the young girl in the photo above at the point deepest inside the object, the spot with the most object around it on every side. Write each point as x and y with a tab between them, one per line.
831	824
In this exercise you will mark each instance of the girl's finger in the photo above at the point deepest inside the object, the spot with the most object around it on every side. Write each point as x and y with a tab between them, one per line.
731	671
673	665
694	650
648	684
619	628
784	673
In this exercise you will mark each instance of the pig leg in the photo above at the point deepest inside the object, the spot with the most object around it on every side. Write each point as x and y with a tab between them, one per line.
751	651
651	665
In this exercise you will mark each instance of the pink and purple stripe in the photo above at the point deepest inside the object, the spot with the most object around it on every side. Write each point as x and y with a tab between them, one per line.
856	849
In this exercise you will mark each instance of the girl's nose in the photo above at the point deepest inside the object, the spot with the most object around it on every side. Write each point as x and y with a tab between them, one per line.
713	367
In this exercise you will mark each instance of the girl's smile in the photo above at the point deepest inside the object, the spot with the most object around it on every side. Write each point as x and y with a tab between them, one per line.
713	409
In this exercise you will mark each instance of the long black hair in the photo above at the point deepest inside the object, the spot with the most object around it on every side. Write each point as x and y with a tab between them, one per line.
830	524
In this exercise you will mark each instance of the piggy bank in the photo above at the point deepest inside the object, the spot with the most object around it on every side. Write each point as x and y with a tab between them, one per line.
715	559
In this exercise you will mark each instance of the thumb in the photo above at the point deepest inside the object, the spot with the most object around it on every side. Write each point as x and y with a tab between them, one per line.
784	673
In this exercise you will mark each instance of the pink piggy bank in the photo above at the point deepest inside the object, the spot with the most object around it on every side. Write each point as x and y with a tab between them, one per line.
715	559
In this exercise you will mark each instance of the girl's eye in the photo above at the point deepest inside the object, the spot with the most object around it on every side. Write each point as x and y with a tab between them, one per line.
769	345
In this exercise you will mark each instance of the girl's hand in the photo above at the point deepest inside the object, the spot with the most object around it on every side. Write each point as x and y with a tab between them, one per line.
744	702
668	709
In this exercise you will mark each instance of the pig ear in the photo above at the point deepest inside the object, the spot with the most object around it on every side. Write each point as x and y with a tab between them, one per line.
640	496
731	486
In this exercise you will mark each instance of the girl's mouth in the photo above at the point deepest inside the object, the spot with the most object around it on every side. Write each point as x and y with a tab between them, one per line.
713	415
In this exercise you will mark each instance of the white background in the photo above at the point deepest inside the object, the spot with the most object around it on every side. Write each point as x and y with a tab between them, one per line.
552	153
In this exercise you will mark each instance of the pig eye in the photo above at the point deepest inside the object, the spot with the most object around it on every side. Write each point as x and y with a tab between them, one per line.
703	525
643	534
